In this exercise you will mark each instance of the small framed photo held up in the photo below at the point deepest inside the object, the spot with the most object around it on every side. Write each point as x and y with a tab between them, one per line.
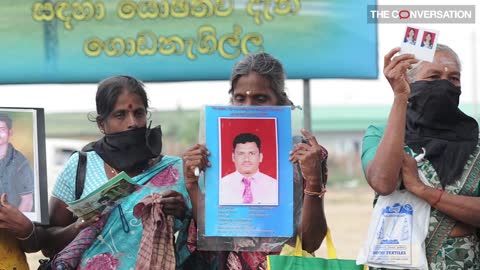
419	41
23	176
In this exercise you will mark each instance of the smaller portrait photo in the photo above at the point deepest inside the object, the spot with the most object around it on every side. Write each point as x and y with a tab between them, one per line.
410	36
428	40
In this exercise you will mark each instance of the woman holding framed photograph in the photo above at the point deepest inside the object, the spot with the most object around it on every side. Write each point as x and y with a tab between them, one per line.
18	234
259	80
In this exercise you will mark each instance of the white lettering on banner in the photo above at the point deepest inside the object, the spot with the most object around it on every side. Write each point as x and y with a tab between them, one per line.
439	14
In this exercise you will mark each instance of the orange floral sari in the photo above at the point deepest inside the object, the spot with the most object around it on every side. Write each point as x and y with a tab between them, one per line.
11	255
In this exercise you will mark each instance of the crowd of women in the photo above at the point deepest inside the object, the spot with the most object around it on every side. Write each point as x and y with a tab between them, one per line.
424	117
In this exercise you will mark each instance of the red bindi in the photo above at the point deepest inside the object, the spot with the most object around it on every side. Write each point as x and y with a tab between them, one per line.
130	106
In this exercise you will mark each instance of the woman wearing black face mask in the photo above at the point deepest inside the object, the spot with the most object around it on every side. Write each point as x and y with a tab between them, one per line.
425	118
113	241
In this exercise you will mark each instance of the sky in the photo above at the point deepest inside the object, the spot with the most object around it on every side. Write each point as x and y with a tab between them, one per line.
463	38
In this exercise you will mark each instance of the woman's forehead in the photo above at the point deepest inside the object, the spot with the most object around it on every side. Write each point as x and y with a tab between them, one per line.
252	82
444	59
129	99
442	62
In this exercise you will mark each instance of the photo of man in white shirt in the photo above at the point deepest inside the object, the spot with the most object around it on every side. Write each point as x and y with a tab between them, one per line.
247	185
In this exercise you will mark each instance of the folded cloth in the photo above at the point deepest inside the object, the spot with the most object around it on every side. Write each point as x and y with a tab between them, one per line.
70	256
156	250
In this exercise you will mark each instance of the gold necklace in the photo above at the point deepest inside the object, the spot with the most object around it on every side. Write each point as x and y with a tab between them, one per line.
112	170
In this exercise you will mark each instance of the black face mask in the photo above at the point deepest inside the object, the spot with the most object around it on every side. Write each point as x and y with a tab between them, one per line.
130	150
435	123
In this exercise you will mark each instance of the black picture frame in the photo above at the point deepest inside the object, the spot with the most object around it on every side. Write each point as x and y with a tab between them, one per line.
27	137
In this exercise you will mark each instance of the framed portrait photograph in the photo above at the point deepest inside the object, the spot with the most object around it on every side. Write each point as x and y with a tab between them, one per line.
23	174
249	185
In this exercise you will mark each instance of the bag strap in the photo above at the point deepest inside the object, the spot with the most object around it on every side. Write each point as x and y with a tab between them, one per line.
298	252
331	250
298	247
81	171
46	264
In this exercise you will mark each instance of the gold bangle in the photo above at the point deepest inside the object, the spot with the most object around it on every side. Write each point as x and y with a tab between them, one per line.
315	193
28	236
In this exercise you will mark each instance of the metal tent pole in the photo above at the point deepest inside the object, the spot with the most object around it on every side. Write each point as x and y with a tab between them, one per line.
307	108
475	58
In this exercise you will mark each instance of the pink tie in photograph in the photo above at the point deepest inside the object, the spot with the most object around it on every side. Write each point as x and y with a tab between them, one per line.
247	192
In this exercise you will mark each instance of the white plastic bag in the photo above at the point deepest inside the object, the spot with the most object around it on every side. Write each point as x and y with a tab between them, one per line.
397	232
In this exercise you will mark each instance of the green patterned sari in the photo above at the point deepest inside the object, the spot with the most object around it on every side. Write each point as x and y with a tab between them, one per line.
452	253
444	252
